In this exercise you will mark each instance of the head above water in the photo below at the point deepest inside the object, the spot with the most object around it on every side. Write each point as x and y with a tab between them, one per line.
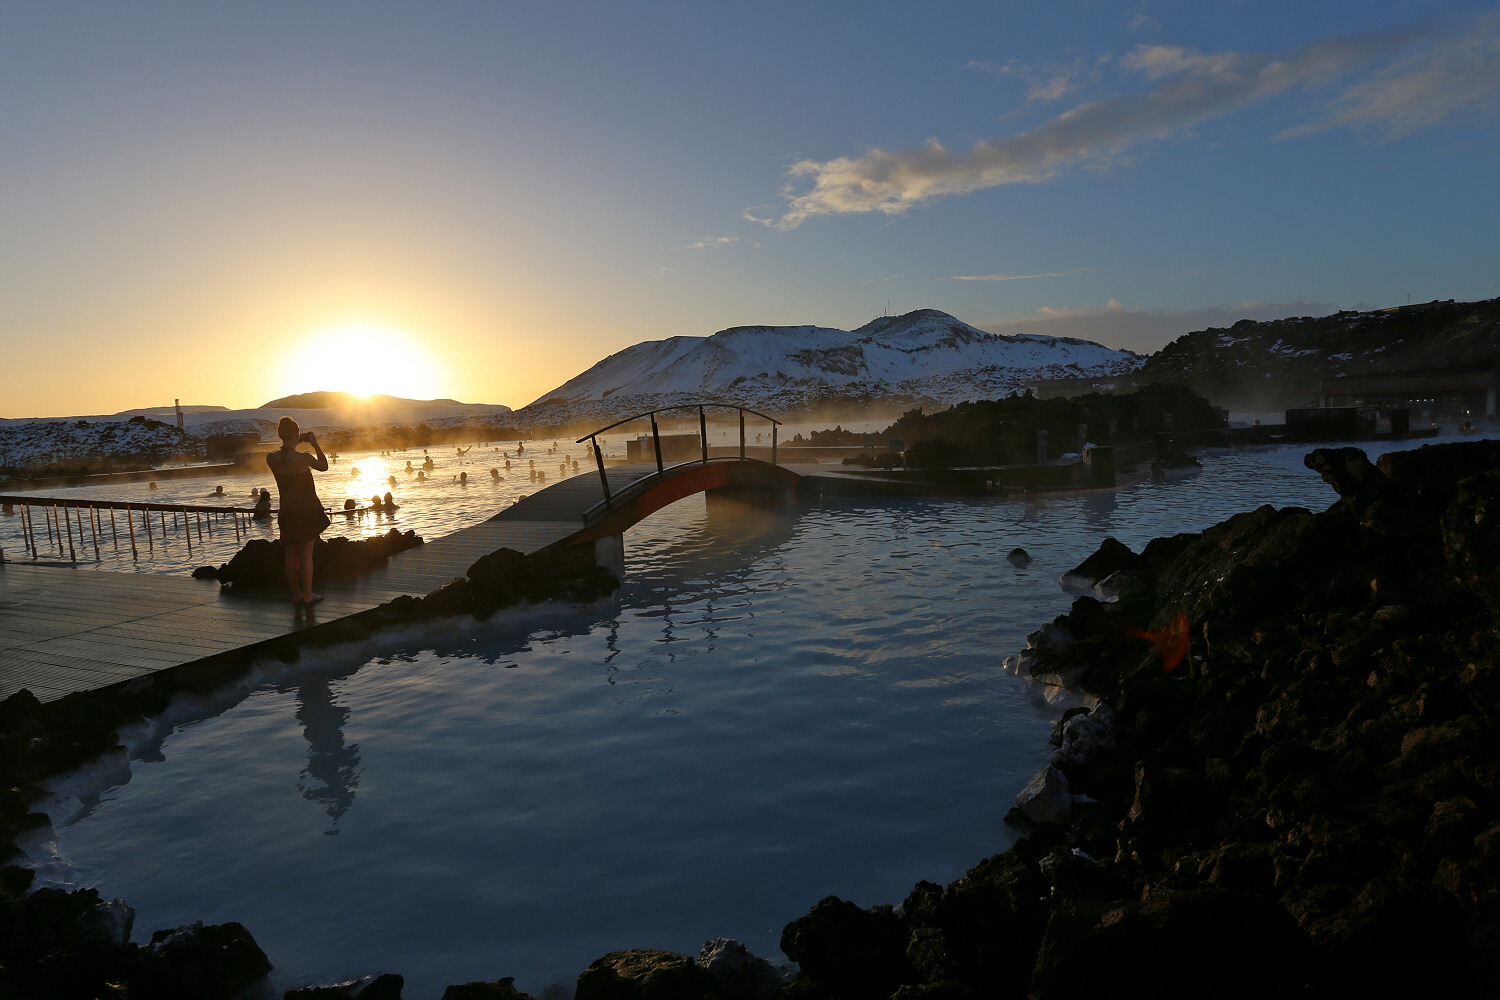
288	431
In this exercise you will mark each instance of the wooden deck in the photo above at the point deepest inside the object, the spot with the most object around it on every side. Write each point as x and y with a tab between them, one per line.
64	631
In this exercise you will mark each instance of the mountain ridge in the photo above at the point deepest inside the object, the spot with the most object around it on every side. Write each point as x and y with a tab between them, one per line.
1273	364
924	357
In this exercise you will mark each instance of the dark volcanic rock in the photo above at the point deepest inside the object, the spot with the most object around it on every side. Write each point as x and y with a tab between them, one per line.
1111	557
501	989
261	562
1330	750
383	987
737	974
506	577
847	952
200	962
1189	945
644	974
1471	535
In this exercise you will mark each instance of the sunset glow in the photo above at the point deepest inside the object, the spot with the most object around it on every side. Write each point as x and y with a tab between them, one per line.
363	359
225	204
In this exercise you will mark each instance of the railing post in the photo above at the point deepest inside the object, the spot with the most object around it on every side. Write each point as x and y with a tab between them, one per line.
773	444
703	434
599	459
656	441
130	522
742	432
73	556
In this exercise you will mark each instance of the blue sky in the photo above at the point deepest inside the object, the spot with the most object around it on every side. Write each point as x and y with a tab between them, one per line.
227	203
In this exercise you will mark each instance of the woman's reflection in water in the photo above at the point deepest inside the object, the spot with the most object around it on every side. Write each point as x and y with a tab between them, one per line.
332	771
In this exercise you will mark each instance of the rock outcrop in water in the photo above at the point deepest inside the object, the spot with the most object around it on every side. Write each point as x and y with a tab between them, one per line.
261	562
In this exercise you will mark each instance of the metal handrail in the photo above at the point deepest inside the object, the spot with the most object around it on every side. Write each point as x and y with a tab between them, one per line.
65	526
679	406
593	439
36	501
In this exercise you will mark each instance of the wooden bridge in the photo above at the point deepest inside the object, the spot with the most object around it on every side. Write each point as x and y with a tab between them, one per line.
63	631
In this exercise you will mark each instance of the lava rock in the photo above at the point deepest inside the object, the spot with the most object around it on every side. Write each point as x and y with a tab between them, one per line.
846	952
643	974
1046	798
204	962
386	986
1109	558
261	562
1188	945
1471	535
106	925
738	974
500	989
1086	738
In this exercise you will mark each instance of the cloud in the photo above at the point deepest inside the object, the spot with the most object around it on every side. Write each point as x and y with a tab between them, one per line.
1421	89
1016	277
717	243
1191	87
1049	82
1145	331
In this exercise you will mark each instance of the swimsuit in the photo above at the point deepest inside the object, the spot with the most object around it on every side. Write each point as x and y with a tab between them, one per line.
301	517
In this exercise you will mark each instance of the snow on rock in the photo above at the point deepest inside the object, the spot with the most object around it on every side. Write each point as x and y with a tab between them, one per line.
40	443
926	355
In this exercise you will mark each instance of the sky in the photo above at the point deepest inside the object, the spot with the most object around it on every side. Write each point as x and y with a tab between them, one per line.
228	203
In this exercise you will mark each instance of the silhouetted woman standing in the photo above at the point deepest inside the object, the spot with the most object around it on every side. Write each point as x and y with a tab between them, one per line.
301	516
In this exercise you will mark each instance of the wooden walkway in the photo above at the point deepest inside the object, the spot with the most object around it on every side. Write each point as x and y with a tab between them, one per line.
63	631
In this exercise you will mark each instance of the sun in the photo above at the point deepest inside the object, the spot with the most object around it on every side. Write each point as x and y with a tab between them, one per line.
364	359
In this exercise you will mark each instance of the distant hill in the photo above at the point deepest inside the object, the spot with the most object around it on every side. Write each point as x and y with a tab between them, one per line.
325	400
1272	364
157	411
921	358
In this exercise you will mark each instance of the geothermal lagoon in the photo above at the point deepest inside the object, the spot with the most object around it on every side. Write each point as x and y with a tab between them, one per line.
773	708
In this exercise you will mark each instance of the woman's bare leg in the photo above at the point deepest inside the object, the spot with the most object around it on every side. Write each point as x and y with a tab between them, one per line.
292	561
308	597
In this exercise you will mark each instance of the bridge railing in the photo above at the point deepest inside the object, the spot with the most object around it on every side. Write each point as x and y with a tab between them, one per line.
55	515
593	437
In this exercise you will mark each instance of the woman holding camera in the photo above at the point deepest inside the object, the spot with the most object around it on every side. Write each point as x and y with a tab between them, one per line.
301	516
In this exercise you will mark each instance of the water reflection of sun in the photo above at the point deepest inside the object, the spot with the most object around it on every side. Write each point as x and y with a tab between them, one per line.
364	477
363	359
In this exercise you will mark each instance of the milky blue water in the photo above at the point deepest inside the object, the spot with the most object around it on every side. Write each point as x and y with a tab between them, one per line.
772	709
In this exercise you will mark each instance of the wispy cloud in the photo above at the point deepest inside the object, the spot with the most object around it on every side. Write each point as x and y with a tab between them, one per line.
1015	277
1439	78
718	243
1190	87
1044	83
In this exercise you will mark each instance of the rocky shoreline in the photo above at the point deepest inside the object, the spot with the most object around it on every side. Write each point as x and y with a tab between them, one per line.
1285	781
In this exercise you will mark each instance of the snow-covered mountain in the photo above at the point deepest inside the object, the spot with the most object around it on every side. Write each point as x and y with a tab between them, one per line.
925	357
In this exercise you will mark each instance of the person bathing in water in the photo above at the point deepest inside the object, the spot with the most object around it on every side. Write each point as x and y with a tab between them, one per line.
301	516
